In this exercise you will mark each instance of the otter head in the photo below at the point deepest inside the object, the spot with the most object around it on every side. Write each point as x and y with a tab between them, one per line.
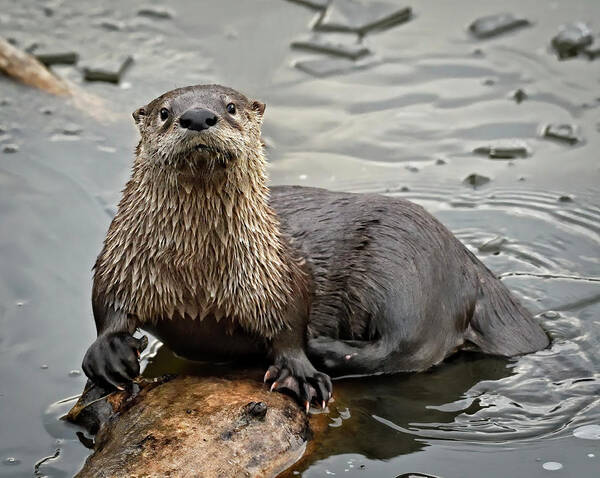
199	126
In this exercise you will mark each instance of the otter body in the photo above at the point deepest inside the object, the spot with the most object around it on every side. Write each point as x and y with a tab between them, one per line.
202	255
394	290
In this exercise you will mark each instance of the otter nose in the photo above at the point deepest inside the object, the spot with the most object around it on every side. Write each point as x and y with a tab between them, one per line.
198	119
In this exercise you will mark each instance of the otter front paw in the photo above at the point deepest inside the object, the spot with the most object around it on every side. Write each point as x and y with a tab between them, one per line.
298	377
113	359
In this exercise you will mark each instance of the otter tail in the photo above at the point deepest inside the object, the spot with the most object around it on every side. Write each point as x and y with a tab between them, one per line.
500	325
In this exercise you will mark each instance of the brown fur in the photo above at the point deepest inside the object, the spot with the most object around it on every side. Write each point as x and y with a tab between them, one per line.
194	234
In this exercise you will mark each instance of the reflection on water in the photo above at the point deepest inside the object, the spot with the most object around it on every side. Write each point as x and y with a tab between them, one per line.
406	125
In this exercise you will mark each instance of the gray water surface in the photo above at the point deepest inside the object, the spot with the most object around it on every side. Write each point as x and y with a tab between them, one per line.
404	124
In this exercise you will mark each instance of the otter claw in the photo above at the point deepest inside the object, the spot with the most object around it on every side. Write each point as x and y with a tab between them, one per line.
273	386
307	406
272	373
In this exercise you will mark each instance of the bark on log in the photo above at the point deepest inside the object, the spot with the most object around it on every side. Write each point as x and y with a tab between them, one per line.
191	426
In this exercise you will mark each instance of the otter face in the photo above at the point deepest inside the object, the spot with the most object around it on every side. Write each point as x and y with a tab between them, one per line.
198	125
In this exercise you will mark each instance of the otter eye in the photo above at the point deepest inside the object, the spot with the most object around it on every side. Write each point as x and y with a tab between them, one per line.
164	114
231	108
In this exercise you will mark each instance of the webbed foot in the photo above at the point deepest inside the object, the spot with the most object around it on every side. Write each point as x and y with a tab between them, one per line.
113	359
298	377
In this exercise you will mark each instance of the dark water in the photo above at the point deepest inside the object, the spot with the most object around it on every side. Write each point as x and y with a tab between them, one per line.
428	96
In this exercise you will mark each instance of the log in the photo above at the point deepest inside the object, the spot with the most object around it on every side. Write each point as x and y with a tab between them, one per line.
191	426
25	68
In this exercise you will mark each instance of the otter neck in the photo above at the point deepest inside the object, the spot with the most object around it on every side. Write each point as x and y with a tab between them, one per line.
193	243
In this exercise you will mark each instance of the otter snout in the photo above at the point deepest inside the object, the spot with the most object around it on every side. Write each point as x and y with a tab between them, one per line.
198	119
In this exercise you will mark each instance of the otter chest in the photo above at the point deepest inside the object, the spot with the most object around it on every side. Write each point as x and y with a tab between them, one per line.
173	252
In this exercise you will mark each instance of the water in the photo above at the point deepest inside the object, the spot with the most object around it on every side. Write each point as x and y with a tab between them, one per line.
432	96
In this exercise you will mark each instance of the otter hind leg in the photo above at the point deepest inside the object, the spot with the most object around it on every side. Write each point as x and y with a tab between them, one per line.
357	357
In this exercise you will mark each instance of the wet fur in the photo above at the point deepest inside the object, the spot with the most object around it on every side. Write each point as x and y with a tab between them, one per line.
195	236
182	247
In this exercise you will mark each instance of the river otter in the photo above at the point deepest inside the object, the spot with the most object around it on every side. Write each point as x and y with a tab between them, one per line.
204	256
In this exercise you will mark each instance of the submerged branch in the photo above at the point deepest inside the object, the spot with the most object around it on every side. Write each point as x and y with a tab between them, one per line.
26	69
548	276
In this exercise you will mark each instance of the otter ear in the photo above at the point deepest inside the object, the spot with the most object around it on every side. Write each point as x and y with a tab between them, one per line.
137	114
258	107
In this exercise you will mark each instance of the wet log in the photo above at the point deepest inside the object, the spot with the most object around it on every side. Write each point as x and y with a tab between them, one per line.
191	426
25	68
